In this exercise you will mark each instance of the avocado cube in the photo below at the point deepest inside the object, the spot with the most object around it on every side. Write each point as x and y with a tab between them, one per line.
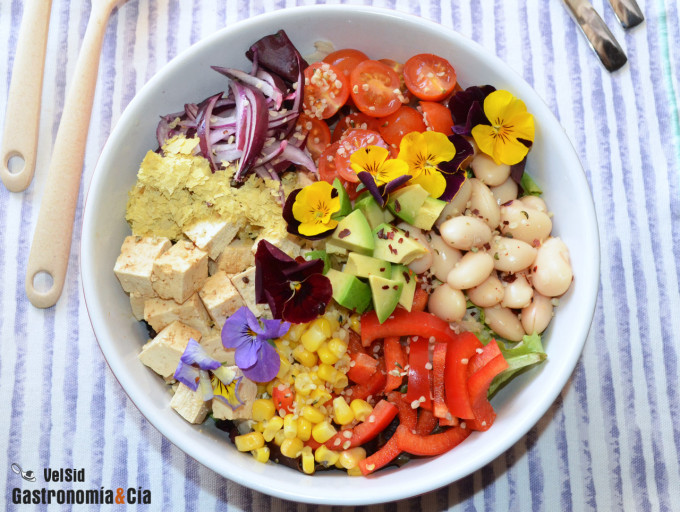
394	245
407	201
386	293
363	266
408	277
332	248
319	255
354	233
374	213
428	213
345	202
349	291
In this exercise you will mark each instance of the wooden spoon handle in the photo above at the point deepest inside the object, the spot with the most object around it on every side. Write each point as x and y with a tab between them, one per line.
23	105
52	238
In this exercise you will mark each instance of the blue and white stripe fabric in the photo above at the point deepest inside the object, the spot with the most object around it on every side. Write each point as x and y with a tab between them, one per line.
612	438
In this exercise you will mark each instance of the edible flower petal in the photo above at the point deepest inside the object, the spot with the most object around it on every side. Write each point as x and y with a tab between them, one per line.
382	192
194	358
375	161
511	133
313	207
293	225
296	291
257	359
423	152
228	393
466	108
454	170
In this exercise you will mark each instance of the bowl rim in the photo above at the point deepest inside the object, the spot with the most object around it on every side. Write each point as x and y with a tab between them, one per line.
407	489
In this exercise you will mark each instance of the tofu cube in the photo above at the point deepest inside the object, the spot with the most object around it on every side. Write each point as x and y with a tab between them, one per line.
134	265
159	313
247	391
189	404
212	235
212	344
287	243
162	353
137	305
245	284
220	297
236	257
180	271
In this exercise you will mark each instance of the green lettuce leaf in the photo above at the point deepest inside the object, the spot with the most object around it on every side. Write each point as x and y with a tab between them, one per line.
520	357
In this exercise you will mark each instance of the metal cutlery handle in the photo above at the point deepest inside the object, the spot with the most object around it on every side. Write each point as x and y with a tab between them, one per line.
601	39
22	118
628	12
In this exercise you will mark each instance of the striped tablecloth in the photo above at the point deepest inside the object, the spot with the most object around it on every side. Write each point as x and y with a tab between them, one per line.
610	441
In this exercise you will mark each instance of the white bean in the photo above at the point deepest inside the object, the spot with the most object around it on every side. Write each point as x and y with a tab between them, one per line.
535	202
457	205
472	269
465	232
447	303
489	293
488	171
504	322
483	204
445	257
551	271
523	223
510	255
518	293
506	191
537	315
423	263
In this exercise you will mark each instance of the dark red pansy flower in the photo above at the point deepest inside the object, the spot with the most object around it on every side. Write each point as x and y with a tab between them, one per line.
467	108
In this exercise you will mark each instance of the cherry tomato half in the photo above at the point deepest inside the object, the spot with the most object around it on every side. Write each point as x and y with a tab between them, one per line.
351	142
437	117
429	77
283	398
398	68
328	172
326	90
352	121
317	132
375	88
345	60
403	121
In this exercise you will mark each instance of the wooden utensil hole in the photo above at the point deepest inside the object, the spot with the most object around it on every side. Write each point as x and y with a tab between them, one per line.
43	281
15	163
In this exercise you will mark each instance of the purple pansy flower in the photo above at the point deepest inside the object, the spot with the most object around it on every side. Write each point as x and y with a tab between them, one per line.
255	356
194	365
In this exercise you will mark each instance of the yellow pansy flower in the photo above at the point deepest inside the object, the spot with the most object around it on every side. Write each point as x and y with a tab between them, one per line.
228	393
423	152
375	160
314	206
510	122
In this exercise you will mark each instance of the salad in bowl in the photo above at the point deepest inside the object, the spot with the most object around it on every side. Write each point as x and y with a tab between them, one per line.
341	261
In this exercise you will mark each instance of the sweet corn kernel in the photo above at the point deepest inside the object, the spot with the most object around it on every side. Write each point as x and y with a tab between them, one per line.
323	431
327	372
350	458
320	396
326	355
355	471
279	438
296	331
355	323
307	460
259	426
304	356
261	454
284	368
341	381
325	326
291	447
249	442
318	332
312	415
326	456
338	347
289	426
361	408
342	412
333	321
270	388
271	427
263	409
304	384
304	429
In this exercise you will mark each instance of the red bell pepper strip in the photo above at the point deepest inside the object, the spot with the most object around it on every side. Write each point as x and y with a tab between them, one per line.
354	345
483	356
420	298
458	355
438	364
404	323
419	377
478	385
407	414
382	415
434	444
373	387
446	422
362	367
395	362
426	422
381	458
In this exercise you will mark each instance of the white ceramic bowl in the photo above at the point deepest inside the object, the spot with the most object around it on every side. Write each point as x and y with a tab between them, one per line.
380	33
